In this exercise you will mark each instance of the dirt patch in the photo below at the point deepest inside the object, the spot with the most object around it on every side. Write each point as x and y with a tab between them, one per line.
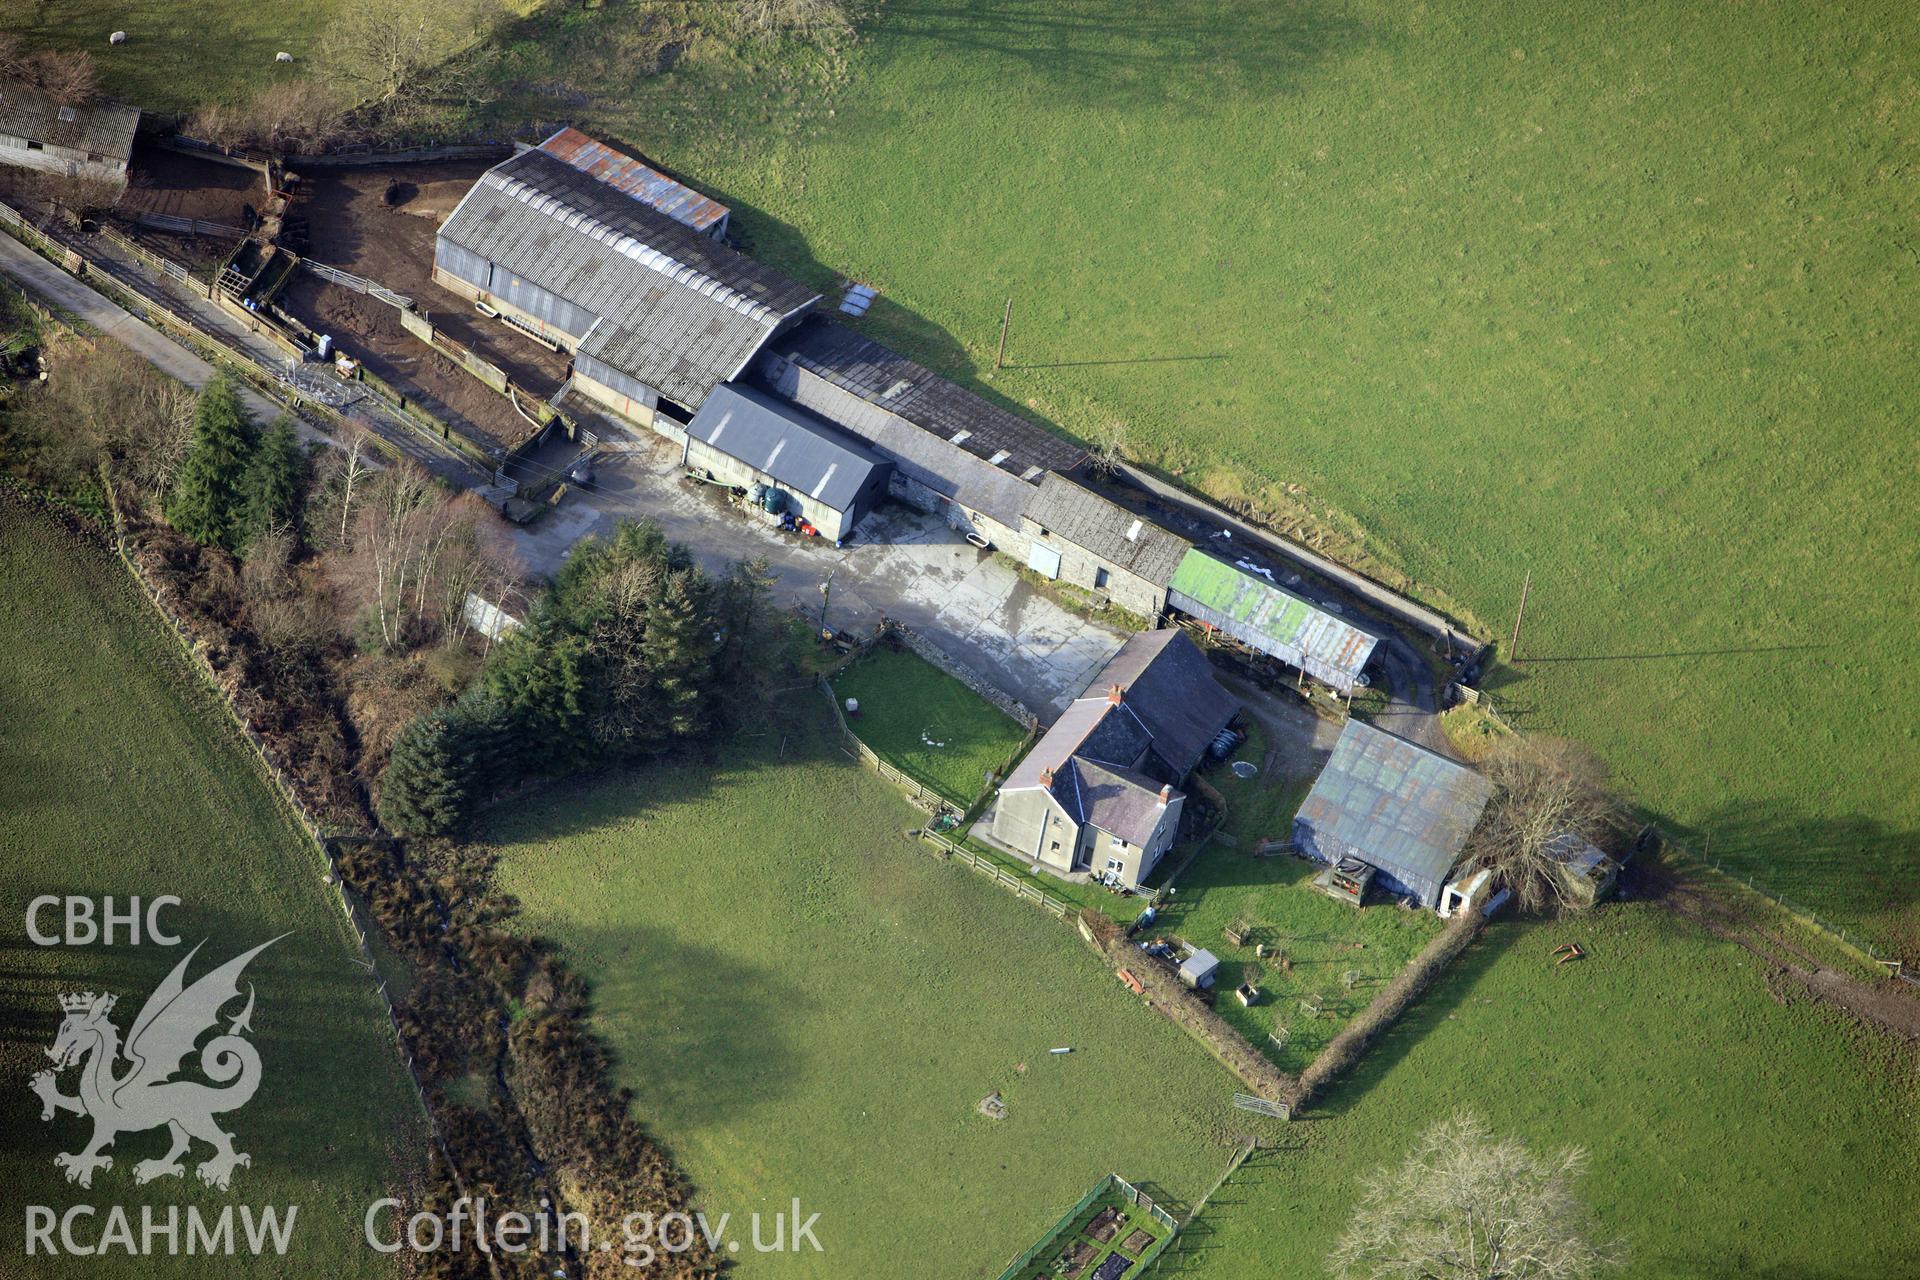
370	331
351	225
1882	1005
161	181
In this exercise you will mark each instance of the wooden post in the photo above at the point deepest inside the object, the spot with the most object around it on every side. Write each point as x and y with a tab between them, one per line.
1513	647
1006	318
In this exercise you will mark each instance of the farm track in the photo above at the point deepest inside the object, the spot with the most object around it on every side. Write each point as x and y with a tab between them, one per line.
1881	1005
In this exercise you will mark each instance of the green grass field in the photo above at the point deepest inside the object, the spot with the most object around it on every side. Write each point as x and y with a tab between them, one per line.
927	724
1731	1134
1617	296
178	54
122	776
806	1004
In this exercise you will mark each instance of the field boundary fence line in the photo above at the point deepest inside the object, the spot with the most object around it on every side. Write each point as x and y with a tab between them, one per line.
953	850
284	791
1839	935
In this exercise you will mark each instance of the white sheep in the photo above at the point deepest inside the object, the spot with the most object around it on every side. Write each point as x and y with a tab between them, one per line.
118	37
283	56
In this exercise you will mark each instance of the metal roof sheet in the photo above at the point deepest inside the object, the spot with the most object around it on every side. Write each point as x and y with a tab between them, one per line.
635	178
914	392
104	128
680	312
1398	806
787	443
1107	529
1260	614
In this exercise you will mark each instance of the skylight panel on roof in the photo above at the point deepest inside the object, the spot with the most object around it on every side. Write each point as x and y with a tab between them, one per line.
999	457
958	437
1133	531
896	389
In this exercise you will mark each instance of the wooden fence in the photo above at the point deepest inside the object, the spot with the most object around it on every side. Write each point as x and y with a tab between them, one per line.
189	226
1019	886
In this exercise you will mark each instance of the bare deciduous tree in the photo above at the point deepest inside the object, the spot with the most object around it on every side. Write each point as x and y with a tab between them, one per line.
297	116
398	54
1544	790
67	76
1109	446
801	17
1469	1206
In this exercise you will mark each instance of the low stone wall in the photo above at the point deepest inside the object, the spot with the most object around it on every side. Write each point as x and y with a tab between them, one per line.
932	653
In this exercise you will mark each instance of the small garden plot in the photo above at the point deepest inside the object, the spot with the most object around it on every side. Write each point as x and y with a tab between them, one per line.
1106	1238
927	724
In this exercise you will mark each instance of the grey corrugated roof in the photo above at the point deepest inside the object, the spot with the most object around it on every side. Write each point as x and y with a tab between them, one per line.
1398	806
104	128
679	311
786	442
1108	530
912	391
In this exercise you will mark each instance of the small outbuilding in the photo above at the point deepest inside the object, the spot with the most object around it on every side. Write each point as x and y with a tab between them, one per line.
744	437
92	141
1198	970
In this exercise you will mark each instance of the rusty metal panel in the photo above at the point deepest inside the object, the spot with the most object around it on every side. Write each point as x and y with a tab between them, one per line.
646	184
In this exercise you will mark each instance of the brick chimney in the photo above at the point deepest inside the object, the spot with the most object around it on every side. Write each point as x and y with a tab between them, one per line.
1166	795
1116	695
1046	776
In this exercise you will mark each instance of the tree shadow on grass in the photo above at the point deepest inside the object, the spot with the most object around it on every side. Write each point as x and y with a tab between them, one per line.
1119	55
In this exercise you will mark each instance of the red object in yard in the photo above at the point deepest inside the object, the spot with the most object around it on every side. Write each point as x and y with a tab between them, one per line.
1133	984
807	529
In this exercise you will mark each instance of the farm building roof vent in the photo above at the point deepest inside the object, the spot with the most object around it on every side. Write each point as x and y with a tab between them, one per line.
66	115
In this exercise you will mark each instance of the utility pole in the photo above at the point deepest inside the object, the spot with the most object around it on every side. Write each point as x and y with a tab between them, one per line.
1006	318
1513	647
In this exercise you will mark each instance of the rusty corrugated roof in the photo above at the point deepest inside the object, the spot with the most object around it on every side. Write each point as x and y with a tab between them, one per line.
641	181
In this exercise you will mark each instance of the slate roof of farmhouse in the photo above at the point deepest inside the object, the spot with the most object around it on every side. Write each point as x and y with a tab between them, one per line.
1120	802
1395	805
678	310
784	441
1169	702
104	128
1108	530
858	364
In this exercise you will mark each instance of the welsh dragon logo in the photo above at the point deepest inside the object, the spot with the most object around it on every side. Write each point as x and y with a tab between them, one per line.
144	1095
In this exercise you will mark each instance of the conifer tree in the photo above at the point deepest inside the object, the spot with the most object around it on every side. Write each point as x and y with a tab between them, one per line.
429	779
272	482
208	497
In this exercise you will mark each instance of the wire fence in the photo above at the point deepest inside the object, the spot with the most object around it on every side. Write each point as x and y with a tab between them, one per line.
359	284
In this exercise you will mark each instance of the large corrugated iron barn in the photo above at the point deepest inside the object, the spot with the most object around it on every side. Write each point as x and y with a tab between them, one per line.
1100	791
1397	807
745	438
955	454
1262	616
577	245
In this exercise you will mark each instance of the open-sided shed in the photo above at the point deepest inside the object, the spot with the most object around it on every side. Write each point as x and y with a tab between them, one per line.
1259	614
1395	806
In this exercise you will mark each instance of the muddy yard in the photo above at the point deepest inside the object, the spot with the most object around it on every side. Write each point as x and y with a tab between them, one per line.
369	331
180	186
352	226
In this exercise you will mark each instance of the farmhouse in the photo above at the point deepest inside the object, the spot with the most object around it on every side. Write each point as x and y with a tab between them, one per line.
1237	600
575	247
746	438
1098	793
1080	537
93	142
1383	803
971	461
